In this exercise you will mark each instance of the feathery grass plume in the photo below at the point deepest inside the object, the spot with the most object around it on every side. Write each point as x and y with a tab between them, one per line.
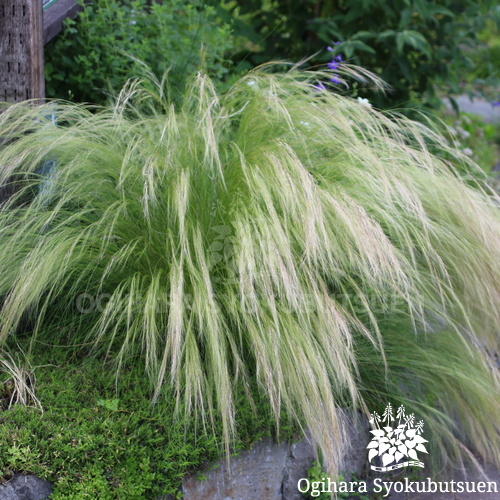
267	235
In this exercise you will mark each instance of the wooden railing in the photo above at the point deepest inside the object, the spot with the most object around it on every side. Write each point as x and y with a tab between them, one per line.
54	13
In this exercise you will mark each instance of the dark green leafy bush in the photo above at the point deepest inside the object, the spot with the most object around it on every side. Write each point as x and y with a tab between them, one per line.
411	44
107	42
487	71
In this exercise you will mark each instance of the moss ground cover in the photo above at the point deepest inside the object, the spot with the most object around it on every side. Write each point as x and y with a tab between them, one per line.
98	439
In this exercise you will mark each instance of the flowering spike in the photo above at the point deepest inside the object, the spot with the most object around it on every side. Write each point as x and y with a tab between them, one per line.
388	416
400	413
409	419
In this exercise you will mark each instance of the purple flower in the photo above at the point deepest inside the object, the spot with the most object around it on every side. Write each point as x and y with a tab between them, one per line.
495	104
330	49
320	86
333	65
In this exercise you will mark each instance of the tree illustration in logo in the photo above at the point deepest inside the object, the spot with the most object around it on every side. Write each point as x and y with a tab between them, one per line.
395	439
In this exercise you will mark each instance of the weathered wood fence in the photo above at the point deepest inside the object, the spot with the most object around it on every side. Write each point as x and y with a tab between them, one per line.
21	50
25	25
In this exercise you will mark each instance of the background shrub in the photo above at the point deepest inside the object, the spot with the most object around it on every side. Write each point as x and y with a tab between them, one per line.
475	138
486	73
413	45
93	54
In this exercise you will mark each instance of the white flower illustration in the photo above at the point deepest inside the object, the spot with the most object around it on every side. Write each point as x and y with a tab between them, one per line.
392	444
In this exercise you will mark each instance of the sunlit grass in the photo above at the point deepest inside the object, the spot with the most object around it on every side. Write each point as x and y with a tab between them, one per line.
270	233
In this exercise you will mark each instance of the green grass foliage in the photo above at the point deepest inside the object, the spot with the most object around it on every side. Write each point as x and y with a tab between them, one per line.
278	235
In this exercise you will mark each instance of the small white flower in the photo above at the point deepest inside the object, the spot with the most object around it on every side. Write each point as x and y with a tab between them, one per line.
463	133
465	119
306	124
364	102
467	152
251	83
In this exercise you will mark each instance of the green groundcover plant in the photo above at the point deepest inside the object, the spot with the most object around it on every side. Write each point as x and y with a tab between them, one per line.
279	235
100	440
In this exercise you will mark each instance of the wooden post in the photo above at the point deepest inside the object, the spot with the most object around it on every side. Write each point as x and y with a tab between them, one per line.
21	50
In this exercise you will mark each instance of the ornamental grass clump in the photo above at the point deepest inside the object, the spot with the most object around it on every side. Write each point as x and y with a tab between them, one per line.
279	234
